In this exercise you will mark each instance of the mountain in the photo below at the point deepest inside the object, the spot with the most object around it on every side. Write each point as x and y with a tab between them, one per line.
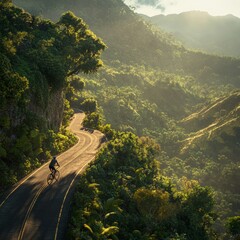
148	76
148	82
199	30
122	30
131	40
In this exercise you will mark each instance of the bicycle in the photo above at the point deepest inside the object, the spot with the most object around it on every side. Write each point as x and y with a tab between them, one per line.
53	176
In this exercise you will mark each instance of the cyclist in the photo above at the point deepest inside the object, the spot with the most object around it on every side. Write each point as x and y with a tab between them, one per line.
52	165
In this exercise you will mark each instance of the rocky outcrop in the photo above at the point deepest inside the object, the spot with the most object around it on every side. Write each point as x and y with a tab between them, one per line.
52	113
54	110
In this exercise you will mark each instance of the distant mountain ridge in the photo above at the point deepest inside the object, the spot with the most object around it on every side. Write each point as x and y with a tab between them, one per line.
148	83
199	30
123	31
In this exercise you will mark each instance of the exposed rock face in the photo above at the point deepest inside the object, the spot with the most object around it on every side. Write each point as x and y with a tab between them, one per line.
54	110
52	113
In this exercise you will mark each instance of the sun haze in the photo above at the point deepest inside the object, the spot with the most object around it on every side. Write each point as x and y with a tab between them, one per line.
213	7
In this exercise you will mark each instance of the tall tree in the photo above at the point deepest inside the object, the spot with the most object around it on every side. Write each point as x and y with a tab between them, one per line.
80	46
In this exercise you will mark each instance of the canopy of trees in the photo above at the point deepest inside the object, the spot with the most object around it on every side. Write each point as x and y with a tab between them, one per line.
124	196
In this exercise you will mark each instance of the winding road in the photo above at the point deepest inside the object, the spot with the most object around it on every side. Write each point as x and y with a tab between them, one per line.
34	210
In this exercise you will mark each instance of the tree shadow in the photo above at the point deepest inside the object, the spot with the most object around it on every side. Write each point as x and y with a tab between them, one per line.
40	206
87	129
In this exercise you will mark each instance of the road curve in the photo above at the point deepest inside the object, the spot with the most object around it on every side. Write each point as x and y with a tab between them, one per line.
34	210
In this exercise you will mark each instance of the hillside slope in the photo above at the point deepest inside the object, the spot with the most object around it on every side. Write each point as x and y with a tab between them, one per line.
199	30
216	125
131	40
149	82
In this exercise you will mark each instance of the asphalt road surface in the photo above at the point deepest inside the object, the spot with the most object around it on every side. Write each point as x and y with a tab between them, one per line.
34	210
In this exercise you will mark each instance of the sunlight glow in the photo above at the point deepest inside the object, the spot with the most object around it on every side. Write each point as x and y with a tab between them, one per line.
213	7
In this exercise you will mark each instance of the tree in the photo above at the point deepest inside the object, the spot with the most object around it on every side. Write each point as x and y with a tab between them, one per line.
89	105
154	204
195	218
92	120
6	2
233	226
77	83
80	46
36	56
12	85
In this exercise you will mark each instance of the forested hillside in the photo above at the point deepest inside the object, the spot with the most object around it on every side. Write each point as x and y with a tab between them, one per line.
149	85
36	58
124	196
132	41
199	30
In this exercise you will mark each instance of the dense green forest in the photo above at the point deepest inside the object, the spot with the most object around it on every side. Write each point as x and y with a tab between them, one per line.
179	178
124	196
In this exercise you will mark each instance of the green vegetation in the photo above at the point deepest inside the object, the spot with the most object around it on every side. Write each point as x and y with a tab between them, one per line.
151	85
36	58
233	226
123	196
211	159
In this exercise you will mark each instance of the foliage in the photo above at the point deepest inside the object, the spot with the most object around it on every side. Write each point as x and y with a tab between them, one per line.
13	86
89	105
85	46
108	131
149	102
233	225
136	202
68	113
77	83
27	148
150	82
36	58
92	121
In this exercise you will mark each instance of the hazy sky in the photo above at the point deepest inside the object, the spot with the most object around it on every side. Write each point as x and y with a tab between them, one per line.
213	7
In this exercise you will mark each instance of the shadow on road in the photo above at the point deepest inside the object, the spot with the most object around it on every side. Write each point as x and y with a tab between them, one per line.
14	209
37	208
